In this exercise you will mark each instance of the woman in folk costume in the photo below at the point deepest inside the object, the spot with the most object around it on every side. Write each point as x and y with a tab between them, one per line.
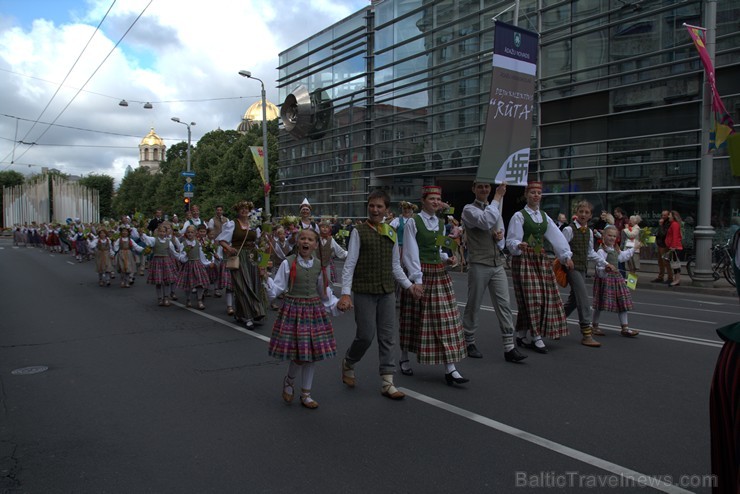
329	249
238	238
124	247
193	274
538	301
302	332
431	327
305	217
163	270
102	247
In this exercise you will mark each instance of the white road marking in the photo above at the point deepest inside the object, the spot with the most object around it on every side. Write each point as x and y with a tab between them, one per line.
623	472
225	323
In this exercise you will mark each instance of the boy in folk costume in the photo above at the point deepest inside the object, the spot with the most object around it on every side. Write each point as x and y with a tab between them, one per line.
407	212
372	264
581	241
162	268
124	248
193	274
329	249
102	247
538	300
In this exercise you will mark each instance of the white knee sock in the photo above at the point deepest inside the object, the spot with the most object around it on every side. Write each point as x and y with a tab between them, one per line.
307	376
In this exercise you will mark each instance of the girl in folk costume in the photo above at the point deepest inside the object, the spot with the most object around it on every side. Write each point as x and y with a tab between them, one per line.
238	238
193	274
124	247
302	332
206	246
52	238
540	307
431	327
610	291
214	253
329	249
163	270
102	247
407	213
78	237
171	234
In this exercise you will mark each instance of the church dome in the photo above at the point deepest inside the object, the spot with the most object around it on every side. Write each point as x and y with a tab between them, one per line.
254	112
152	139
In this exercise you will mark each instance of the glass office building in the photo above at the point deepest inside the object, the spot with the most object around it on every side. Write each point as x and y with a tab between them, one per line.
618	111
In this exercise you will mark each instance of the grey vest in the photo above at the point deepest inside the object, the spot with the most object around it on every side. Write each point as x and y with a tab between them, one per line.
482	248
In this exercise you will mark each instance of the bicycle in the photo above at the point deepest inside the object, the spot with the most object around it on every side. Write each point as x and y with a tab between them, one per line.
721	263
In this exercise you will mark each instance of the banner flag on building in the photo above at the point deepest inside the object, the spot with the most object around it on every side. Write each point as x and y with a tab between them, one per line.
259	160
506	144
723	124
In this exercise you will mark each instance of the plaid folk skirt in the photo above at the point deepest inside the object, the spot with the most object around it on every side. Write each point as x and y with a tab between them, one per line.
431	327
302	331
192	275
162	271
540	308
224	277
611	294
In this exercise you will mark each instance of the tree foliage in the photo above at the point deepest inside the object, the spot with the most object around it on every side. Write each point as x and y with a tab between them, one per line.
225	173
104	185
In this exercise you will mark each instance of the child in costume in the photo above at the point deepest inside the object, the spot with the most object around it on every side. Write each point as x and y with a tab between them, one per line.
610	291
193	274
329	249
302	332
163	269
103	250
124	247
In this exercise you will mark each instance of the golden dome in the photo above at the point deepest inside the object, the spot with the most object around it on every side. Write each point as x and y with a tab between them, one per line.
254	112
152	139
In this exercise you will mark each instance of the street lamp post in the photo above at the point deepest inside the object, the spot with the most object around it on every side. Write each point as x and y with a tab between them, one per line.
175	119
248	74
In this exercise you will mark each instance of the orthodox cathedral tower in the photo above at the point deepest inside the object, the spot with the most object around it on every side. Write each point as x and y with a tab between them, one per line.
151	151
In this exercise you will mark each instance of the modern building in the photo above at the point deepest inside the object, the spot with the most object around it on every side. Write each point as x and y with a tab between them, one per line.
151	151
617	118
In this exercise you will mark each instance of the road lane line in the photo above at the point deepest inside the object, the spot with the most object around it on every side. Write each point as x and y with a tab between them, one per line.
623	472
225	323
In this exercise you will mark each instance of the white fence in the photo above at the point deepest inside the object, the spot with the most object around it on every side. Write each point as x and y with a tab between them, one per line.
38	202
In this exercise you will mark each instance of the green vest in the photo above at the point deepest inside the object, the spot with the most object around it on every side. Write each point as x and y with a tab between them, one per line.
161	249
193	251
579	247
304	285
374	270
537	230
611	256
427	242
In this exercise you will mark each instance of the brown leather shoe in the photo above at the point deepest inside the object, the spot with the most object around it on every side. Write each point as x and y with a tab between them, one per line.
348	374
307	401
589	341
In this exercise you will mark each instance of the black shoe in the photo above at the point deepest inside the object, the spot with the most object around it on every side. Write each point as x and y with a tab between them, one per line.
473	351
407	371
514	355
524	344
542	350
455	380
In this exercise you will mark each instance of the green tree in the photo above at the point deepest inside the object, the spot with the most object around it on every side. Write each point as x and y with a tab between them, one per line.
104	185
135	193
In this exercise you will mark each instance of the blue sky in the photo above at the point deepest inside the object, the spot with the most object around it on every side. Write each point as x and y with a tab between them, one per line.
183	56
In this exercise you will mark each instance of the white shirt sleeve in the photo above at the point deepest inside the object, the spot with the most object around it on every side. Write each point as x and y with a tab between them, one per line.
515	234
350	262
411	253
337	250
227	232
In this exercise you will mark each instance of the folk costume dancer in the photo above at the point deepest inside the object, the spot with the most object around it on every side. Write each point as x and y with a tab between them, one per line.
538	301
193	274
581	241
372	264
303	332
430	327
485	238
124	247
163	271
329	250
103	253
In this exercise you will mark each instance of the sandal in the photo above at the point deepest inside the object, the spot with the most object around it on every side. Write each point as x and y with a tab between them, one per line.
288	385
307	401
629	333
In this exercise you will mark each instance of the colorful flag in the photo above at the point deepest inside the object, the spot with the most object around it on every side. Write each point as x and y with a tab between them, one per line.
723	124
259	160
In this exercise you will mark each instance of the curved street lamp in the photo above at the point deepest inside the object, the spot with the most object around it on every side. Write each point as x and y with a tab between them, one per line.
175	119
248	74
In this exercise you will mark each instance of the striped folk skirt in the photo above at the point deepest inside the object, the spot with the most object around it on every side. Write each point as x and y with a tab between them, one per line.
162	271
611	294
431	327
302	331
537	299
192	275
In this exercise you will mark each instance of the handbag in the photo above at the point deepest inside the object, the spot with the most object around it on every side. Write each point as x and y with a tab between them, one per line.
675	263
561	274
233	261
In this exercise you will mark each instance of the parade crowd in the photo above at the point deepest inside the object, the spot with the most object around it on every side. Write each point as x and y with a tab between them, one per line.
395	276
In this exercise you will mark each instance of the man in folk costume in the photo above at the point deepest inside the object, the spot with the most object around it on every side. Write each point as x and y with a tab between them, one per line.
194	219
407	212
484	229
372	264
329	249
538	301
217	222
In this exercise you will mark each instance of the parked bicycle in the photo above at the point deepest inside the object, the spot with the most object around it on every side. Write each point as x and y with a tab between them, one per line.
721	263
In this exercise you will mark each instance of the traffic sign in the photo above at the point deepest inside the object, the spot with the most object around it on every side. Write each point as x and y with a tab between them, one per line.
188	180
189	187
187	174
188	194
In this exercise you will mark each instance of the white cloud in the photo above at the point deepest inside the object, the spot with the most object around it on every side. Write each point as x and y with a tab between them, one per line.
177	51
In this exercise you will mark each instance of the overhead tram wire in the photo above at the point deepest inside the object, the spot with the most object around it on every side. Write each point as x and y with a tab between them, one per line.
89	78
61	84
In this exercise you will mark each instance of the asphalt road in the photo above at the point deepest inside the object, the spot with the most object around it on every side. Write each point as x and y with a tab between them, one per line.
139	398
